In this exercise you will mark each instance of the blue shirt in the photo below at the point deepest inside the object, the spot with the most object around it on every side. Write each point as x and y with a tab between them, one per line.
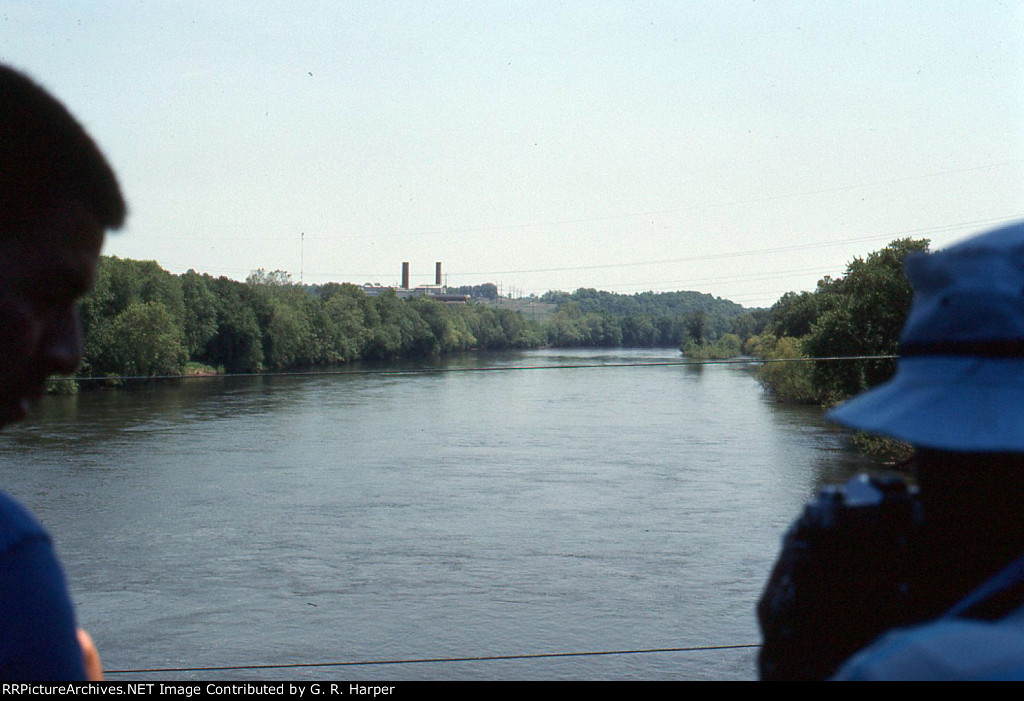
955	646
38	641
945	650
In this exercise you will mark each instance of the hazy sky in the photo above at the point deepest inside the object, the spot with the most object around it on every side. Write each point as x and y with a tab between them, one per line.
734	147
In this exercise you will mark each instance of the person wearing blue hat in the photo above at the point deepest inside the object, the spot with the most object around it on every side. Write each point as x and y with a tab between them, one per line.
936	558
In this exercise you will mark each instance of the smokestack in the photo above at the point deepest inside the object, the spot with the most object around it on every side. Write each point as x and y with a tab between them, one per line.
437	273
405	275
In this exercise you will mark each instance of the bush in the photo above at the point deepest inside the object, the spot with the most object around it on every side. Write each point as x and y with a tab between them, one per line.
61	385
786	374
728	346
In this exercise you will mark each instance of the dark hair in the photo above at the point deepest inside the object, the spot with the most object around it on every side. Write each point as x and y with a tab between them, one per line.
46	157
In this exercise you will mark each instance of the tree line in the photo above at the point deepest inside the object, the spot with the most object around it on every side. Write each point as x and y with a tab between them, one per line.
141	320
589	317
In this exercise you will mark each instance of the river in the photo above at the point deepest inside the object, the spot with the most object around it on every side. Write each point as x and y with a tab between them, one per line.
306	519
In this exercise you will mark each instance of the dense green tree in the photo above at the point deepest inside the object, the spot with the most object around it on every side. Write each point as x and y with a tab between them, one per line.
696	326
200	316
785	373
640	332
272	278
149	341
795	312
728	346
863	315
150	293
602	329
449	330
238	343
859	314
565	327
288	337
671	330
342	325
750	323
402	332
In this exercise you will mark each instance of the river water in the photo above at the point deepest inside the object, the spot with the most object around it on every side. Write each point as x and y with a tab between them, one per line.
304	519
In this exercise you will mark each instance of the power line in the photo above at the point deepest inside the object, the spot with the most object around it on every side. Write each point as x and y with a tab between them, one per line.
429	660
484	368
714	256
670	210
761	251
942	228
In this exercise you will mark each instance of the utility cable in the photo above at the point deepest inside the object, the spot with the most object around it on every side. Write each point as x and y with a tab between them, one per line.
755	252
429	660
637	214
941	228
486	368
730	254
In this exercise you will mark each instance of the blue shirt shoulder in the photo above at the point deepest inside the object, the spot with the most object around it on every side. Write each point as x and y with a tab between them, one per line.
38	641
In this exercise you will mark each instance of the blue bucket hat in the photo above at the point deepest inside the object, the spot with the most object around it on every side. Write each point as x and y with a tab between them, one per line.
959	382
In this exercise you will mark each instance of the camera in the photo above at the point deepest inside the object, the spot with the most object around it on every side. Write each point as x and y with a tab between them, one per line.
842	577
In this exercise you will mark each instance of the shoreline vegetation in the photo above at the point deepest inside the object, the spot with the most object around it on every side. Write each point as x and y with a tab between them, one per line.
143	321
858	314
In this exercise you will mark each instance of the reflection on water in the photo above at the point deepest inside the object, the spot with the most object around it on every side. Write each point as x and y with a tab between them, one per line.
349	517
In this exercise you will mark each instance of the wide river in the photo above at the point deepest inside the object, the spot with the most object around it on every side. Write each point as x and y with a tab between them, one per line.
524	513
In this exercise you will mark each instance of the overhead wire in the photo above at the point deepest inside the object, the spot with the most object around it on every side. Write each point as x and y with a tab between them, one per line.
718	256
655	212
434	660
744	360
956	226
762	251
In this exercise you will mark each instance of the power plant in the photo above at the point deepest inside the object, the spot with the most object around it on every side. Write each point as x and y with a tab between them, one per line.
435	291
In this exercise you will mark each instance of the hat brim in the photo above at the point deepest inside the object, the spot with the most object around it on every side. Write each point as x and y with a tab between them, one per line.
946	403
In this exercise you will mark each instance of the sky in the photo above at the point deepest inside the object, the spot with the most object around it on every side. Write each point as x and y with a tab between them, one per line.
740	148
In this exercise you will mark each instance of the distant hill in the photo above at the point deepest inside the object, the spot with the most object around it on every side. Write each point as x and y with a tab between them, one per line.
595	317
655	303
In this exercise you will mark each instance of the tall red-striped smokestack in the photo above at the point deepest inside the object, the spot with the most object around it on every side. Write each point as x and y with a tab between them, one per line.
405	276
437	273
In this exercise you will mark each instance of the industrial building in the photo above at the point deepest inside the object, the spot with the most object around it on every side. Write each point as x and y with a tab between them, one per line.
435	291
